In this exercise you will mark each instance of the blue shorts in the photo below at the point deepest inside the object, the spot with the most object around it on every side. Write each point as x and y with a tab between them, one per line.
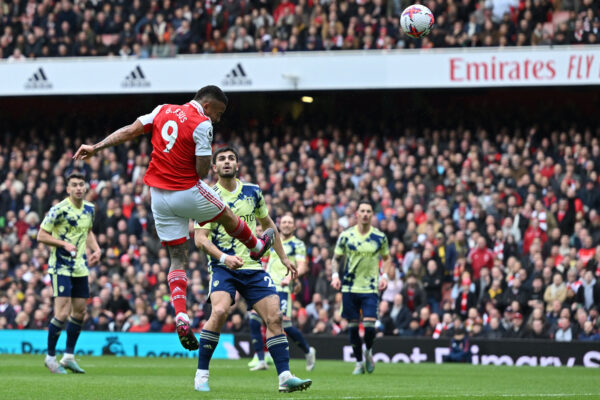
70	286
353	303
253	284
285	304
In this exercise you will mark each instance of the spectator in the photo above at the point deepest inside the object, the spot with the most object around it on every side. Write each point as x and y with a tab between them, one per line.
588	293
494	330
7	311
537	330
556	291
413	294
314	308
480	257
459	347
589	333
465	299
414	329
516	331
118	304
564	333
432	284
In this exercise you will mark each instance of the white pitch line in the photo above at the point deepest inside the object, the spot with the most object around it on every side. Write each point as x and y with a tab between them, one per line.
448	396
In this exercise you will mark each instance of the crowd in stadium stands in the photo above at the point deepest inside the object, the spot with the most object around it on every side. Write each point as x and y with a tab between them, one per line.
499	235
164	28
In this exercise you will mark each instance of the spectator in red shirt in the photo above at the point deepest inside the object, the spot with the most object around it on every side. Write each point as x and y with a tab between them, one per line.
587	252
280	10
534	231
480	257
142	326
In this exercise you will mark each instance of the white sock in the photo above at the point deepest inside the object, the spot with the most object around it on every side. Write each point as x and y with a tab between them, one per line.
359	363
184	316
50	358
67	356
201	373
259	245
284	376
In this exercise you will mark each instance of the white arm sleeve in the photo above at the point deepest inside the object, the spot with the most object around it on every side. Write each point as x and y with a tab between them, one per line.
203	136
149	118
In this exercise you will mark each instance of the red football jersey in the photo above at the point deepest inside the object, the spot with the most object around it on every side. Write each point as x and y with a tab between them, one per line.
179	134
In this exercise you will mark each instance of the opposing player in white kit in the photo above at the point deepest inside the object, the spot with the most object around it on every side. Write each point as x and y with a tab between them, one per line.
181	157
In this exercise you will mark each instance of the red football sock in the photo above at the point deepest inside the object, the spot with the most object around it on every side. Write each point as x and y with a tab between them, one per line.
178	285
244	234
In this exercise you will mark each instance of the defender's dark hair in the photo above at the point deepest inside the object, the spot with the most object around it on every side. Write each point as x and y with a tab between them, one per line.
365	201
223	150
211	92
75	175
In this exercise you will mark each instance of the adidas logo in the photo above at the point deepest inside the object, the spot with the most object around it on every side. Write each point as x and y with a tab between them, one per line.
237	77
38	80
135	79
208	346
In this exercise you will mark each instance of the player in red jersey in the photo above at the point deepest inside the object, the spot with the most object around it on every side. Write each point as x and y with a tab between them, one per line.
181	157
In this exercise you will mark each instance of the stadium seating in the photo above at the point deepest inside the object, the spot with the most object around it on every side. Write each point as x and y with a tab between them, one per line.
166	28
505	229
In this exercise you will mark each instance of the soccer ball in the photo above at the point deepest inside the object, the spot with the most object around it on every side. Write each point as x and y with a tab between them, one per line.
416	21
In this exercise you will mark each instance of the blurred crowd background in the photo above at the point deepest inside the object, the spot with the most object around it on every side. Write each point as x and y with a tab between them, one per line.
165	28
494	233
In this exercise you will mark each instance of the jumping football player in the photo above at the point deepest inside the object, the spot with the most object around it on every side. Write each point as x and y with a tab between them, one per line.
181	158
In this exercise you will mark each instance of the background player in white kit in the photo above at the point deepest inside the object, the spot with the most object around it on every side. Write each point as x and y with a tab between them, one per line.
181	157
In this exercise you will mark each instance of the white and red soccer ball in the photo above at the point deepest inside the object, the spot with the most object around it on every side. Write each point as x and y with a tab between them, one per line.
416	21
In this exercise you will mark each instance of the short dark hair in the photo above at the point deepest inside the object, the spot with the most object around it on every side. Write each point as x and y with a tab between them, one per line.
367	202
75	175
211	92
223	150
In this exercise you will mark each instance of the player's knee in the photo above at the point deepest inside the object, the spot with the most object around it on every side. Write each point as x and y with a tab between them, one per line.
61	314
219	314
78	314
274	319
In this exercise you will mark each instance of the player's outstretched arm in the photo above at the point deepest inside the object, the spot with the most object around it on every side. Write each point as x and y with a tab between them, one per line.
47	238
267	223
203	242
119	136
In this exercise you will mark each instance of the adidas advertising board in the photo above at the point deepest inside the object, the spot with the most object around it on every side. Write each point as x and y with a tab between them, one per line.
237	77
38	80
439	68
135	79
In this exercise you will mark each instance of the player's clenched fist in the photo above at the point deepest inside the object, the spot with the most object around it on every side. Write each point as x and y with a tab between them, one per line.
234	262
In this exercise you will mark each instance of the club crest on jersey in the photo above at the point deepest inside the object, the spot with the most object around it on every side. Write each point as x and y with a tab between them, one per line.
216	283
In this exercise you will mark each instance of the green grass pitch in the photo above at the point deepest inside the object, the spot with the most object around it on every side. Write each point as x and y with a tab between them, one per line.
25	377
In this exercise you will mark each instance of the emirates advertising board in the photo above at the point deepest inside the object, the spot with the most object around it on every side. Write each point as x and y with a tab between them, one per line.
347	70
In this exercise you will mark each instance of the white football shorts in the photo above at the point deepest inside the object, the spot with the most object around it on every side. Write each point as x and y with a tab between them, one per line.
172	210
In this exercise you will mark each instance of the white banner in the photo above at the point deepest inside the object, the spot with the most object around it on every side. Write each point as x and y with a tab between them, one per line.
435	68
